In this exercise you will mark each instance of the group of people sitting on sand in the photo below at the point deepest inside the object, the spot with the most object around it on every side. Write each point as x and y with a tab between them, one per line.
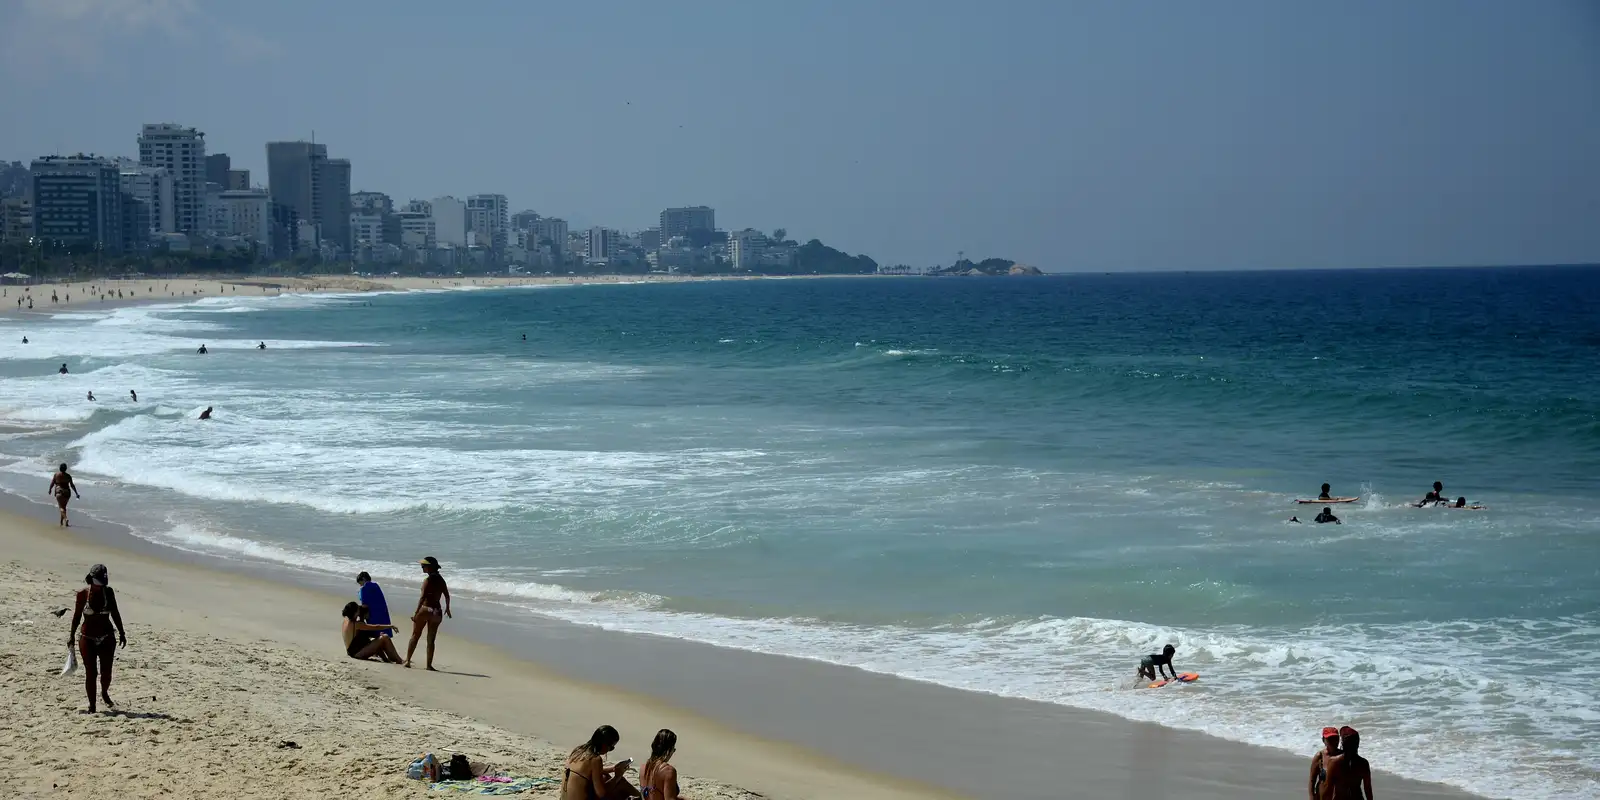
368	630
586	776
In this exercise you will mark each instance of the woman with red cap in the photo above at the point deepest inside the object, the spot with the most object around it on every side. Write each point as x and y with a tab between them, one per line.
1349	775
1320	790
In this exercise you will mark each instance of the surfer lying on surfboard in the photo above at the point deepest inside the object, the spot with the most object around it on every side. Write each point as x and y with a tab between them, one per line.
1461	502
1151	666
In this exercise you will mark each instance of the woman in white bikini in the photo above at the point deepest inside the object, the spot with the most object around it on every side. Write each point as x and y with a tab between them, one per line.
432	607
97	609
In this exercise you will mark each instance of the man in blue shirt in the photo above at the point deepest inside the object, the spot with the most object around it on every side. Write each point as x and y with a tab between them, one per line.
371	598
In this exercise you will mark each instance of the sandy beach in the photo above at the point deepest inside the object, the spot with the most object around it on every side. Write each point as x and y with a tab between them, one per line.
222	670
105	292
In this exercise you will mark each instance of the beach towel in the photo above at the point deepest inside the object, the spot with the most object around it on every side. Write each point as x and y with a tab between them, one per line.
72	662
493	785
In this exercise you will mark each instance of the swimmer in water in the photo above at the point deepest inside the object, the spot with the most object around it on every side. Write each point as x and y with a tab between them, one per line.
1461	502
1327	516
1325	495
134	395
202	350
261	346
1295	520
24	340
206	414
1432	498
91	396
63	369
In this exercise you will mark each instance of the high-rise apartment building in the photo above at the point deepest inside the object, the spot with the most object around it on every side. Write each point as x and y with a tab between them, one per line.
603	245
552	230
371	203
746	248
217	167
524	220
182	152
16	218
449	222
335	205
77	201
154	187
489	216
679	221
238	180
247	213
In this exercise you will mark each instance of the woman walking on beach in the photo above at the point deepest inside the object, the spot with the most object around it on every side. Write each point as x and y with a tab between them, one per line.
587	777
97	609
658	779
63	488
432	607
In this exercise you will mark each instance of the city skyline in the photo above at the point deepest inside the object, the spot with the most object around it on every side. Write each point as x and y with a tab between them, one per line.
1082	137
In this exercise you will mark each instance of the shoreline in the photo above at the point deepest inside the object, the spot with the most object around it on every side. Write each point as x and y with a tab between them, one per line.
771	724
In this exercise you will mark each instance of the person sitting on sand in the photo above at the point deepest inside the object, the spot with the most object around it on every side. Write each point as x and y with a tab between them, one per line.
1325	496
658	779
96	608
374	607
1349	775
1151	666
1432	498
361	639
1318	783
432	607
1327	516
587	777
1461	502
64	489
206	414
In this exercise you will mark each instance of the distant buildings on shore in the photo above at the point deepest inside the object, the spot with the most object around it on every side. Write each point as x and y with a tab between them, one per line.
177	197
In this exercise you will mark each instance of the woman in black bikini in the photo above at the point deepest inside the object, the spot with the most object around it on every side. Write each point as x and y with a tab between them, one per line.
63	488
432	607
97	609
587	778
361	640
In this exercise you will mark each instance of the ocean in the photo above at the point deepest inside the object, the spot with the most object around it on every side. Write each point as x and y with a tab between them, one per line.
1016	486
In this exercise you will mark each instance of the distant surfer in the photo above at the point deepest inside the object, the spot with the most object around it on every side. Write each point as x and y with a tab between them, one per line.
206	414
524	338
1327	516
1318	783
202	350
1461	502
64	489
261	346
1349	775
24	340
1432	498
1295	520
134	395
91	396
1151	666
1325	496
63	370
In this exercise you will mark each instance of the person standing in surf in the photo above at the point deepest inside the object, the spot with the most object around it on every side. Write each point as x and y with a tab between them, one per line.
64	489
432	607
1318	783
96	608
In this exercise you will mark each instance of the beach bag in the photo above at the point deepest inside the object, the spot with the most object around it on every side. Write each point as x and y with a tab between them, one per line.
425	768
72	662
458	769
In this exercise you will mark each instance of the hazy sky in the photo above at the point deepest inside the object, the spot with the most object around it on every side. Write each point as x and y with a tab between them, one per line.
1071	135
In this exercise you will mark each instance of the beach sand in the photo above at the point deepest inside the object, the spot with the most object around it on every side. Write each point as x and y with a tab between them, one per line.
221	669
103	293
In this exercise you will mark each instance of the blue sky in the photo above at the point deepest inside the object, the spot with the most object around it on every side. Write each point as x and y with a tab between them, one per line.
1071	135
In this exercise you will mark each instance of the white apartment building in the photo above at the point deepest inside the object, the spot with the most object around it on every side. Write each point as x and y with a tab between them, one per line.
603	245
366	229
154	187
417	231
247	213
551	228
182	152
449	221
489	216
746	247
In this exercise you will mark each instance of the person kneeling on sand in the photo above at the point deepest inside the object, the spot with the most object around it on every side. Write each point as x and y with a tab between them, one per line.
586	776
361	640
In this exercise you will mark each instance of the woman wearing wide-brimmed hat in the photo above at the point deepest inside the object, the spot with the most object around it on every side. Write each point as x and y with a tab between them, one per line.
432	607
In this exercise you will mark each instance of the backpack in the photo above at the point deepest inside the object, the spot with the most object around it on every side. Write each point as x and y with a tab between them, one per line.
458	769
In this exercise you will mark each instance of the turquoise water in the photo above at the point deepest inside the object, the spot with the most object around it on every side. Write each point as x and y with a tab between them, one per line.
1014	486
